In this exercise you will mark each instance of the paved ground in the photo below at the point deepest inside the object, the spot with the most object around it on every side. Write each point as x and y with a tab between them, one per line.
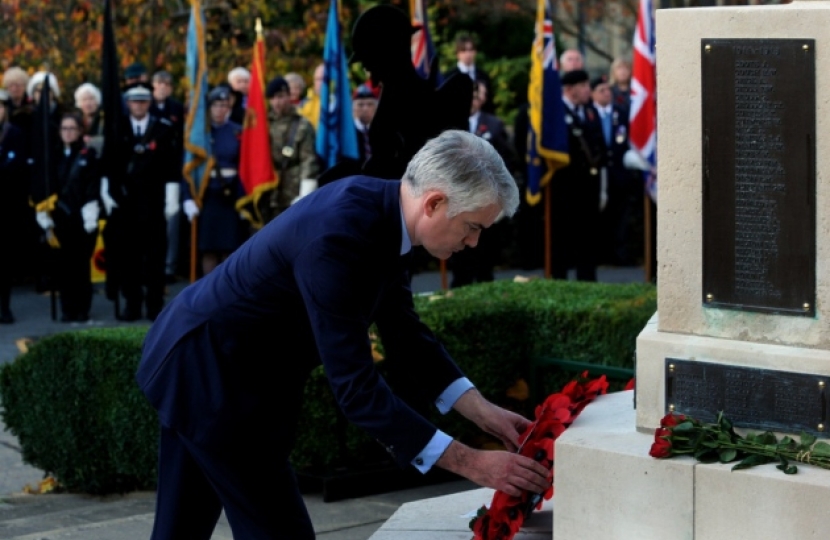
68	516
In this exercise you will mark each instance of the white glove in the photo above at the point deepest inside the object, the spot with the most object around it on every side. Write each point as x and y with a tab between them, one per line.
90	212
44	220
633	160
306	186
191	209
603	189
171	200
109	202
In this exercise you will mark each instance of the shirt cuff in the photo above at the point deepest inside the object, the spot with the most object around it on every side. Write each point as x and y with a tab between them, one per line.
434	449
449	396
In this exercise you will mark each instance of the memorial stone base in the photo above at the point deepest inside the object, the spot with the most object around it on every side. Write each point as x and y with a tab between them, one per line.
607	486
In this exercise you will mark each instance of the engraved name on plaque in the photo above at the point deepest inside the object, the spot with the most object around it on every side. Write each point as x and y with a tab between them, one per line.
750	397
759	174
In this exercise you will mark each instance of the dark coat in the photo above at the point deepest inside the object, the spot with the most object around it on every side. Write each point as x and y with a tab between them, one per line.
233	350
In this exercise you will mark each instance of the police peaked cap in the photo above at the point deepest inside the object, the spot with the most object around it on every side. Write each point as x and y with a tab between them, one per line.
576	76
138	93
277	85
220	93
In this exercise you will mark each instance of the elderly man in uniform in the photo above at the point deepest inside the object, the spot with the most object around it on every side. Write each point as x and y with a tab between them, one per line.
316	279
576	189
139	198
292	149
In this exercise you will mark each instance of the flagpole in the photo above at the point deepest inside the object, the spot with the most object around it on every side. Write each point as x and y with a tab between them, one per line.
648	239
194	235
548	255
444	285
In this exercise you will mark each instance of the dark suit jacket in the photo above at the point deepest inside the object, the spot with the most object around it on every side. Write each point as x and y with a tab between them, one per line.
491	128
482	76
231	352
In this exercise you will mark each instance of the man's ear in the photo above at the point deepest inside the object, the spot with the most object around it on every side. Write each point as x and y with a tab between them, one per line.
432	201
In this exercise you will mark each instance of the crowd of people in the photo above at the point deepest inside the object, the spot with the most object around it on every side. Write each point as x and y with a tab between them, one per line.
145	202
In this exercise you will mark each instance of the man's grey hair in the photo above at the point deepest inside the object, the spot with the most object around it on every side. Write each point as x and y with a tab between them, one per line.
467	169
87	88
163	77
238	72
295	77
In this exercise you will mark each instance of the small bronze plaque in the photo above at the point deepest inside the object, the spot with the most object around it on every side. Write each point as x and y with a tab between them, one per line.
759	194
750	397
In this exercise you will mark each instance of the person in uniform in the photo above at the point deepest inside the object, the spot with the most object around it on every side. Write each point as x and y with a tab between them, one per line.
14	205
576	188
220	228
138	198
619	180
315	280
69	213
292	149
364	106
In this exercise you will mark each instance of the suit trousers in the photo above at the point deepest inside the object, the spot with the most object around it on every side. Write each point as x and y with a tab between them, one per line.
260	495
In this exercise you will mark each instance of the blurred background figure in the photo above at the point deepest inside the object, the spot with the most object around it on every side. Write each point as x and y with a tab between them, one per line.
136	74
14	204
74	219
220	228
88	101
296	85
310	106
292	149
620	79
571	60
465	54
364	105
240	80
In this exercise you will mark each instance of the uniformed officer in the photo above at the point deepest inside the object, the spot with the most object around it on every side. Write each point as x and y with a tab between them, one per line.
575	194
69	214
220	229
292	149
140	196
14	207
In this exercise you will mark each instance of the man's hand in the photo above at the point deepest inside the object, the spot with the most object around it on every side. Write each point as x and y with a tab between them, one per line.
492	419
510	473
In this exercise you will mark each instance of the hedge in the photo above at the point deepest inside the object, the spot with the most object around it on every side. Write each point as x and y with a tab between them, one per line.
74	406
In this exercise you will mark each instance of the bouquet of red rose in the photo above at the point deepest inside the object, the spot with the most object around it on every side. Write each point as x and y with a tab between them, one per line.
507	513
718	442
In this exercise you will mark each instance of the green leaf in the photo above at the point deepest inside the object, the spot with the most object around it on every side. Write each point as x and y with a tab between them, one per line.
751	461
767	437
707	455
683	427
821	449
807	439
724	422
787	469
728	454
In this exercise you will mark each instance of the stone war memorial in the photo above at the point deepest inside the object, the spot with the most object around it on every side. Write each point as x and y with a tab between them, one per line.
743	320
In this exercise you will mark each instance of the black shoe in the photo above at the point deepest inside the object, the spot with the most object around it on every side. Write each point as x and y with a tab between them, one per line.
129	315
6	317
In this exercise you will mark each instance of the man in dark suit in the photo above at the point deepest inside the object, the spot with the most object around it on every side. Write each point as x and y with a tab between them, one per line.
476	265
315	279
617	179
364	105
576	188
465	53
140	197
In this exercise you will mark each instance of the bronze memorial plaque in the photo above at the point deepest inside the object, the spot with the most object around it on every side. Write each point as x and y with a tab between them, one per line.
759	201
749	397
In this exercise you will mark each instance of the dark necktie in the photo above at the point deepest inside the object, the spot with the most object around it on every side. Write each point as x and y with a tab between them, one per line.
138	131
367	148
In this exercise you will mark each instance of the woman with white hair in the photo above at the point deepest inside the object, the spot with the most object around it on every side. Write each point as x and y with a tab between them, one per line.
36	85
88	101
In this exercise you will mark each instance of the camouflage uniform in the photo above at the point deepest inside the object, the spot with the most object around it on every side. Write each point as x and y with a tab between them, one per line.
301	165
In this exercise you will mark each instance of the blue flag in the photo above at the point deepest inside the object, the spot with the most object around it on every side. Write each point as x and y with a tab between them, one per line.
547	148
198	160
336	135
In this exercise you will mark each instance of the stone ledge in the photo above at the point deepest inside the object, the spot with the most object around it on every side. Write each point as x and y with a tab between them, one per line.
607	486
445	518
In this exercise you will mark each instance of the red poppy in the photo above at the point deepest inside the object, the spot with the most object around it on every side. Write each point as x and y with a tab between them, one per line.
151	145
671	420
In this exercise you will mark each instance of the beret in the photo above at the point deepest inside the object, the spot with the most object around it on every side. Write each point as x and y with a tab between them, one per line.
574	77
277	84
220	93
134	70
363	92
602	79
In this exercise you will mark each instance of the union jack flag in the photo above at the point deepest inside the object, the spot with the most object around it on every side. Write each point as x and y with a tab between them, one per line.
643	119
423	50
